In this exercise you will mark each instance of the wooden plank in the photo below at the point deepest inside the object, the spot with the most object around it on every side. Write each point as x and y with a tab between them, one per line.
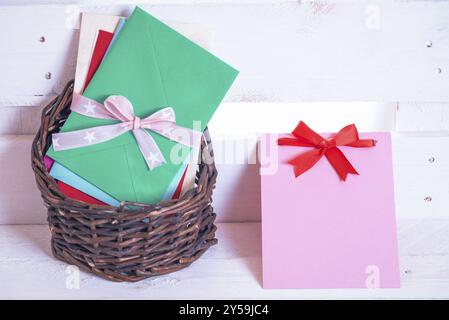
421	186
271	117
238	187
237	196
26	266
19	120
246	119
38	62
19	196
422	116
421	171
286	51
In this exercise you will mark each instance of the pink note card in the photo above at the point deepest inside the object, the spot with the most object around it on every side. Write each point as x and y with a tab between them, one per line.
320	232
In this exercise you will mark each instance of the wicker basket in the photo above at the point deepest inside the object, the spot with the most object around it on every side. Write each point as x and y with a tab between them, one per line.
119	243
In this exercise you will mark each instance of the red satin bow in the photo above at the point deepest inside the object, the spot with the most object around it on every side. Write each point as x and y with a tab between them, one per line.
306	137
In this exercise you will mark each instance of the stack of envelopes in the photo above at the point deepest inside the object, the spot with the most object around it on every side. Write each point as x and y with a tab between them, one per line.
154	67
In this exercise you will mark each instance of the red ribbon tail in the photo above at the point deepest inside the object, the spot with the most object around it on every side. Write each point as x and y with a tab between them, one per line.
363	143
340	163
298	142
305	161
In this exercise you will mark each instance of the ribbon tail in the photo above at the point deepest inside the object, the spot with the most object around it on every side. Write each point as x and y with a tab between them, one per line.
349	136
91	108
363	143
305	161
86	137
149	149
340	163
297	141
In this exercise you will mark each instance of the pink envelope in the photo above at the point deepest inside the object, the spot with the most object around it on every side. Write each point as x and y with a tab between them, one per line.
321	232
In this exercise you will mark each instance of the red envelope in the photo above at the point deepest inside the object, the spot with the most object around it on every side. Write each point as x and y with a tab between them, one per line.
78	195
177	193
104	38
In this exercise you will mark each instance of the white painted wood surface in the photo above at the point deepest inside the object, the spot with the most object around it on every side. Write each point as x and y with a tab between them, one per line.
381	64
237	195
230	270
254	117
421	171
286	50
329	50
423	116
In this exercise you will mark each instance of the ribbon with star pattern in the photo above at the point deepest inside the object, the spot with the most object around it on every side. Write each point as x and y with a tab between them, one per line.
120	108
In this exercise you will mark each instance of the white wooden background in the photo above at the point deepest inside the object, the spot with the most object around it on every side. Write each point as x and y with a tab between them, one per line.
381	64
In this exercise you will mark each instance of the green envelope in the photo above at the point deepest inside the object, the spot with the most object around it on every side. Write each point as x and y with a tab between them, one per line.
154	67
